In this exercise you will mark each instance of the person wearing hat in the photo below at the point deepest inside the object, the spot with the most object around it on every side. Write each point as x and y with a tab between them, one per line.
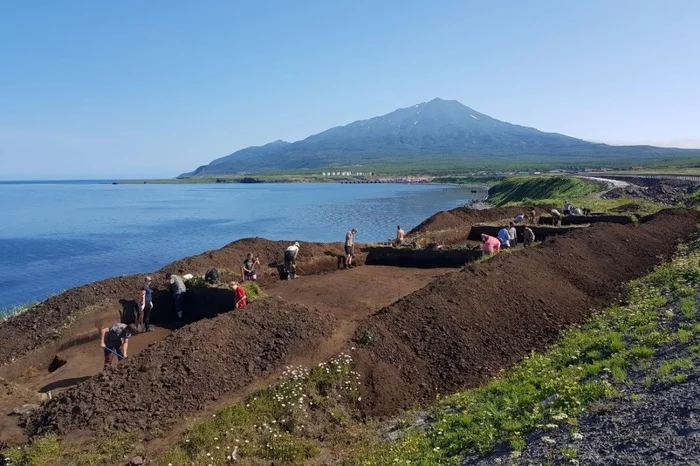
290	260
145	305
240	298
350	248
115	341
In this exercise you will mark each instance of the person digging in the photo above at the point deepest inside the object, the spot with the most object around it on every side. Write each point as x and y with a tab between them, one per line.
248	269
240	300
115	342
350	248
177	286
528	236
290	260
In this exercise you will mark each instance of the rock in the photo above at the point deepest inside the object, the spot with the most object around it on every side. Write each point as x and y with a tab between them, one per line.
136	461
56	363
24	409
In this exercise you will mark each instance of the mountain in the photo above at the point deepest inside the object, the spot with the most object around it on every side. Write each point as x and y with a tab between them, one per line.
439	131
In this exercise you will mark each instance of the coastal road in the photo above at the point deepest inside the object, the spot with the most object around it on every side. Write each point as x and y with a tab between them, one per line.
609	184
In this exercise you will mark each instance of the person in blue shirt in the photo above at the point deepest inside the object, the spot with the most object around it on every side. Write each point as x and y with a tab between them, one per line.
504	237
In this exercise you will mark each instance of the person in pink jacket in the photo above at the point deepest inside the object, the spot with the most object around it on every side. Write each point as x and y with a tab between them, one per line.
490	244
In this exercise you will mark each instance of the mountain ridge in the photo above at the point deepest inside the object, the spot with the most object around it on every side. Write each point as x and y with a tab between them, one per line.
437	130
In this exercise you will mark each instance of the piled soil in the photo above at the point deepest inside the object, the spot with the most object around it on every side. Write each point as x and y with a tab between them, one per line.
47	322
463	328
313	258
152	390
452	226
663	194
665	191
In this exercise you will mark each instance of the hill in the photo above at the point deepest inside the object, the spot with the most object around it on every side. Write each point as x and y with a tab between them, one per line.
438	132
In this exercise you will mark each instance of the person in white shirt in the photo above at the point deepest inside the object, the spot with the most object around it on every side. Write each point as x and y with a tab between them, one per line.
290	260
556	217
567	208
528	236
513	235
350	248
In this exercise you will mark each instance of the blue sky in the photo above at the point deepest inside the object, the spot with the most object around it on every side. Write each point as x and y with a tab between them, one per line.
155	88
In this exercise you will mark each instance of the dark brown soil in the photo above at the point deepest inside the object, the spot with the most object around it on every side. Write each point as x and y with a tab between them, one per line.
452	226
463	328
151	391
48	321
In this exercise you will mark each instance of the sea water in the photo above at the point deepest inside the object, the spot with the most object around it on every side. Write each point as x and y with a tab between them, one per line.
54	236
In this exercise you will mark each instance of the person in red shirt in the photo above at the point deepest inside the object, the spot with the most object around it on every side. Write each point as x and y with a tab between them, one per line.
240	299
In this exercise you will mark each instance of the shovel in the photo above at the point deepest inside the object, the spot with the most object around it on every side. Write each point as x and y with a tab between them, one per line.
119	356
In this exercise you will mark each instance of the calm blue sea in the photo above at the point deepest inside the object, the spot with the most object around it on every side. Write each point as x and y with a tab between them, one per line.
55	236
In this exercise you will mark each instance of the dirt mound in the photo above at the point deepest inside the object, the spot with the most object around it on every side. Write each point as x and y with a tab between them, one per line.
190	368
669	192
46	323
313	258
462	328
629	207
452	226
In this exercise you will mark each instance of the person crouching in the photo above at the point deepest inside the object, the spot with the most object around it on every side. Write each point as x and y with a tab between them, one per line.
490	245
115	342
240	300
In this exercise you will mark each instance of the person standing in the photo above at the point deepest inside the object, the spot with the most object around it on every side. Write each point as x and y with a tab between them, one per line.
513	235
240	300
567	208
349	248
400	235
177	286
115	341
249	268
504	237
146	305
533	216
290	260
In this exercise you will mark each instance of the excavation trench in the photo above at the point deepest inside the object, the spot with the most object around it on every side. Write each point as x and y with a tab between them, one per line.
464	327
457	331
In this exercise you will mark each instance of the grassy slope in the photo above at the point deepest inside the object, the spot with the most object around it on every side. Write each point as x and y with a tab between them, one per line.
555	190
581	369
541	190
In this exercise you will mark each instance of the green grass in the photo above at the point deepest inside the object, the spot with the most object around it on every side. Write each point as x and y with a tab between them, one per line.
281	424
688	307
107	448
468	179
541	190
669	370
253	291
557	386
16	310
555	190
